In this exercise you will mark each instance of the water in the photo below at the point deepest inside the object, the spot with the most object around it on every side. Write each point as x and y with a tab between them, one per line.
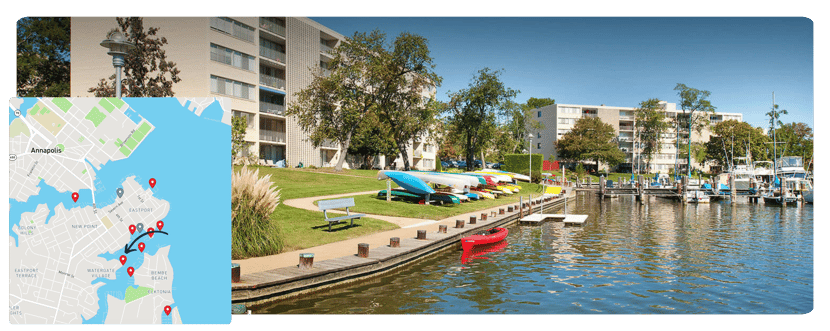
659	258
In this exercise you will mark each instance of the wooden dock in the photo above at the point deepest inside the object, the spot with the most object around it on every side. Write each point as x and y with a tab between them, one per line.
537	219
267	286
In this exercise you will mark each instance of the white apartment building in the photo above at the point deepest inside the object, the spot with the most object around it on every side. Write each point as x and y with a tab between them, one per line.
258	62
559	119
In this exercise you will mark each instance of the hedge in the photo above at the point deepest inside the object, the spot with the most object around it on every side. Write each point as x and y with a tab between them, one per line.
518	162
438	165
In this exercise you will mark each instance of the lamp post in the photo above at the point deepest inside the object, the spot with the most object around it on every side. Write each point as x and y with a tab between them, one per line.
118	45
530	157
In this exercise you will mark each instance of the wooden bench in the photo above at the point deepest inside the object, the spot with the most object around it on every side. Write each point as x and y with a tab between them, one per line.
325	205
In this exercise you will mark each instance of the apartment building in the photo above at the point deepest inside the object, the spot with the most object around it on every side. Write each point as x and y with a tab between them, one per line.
258	62
559	119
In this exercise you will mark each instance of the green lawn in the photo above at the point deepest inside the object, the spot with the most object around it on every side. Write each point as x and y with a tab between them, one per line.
304	228
350	172
372	204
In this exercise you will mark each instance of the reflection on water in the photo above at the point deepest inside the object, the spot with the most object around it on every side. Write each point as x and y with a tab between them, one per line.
661	257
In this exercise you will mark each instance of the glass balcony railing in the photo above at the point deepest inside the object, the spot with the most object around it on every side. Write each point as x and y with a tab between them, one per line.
626	128
272	81
325	48
272	136
271	26
272	54
329	144
271	108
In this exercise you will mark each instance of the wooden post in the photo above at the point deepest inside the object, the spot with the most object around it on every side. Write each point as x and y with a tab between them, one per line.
459	224
733	194
590	180
641	189
493	213
363	250
306	261
472	220
521	208
442	229
426	201
388	190
422	234
684	187
509	209
602	187
235	272
394	242
483	217
501	211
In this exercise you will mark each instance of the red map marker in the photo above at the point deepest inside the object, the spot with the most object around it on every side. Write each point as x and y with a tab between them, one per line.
141	247
130	271
150	232
152	182
75	196
167	310
123	259
159	225
132	228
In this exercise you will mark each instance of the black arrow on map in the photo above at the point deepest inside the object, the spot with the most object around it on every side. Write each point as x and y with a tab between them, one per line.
129	249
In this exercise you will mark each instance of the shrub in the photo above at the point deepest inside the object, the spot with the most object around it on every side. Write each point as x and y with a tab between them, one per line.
519	162
253	200
438	165
535	177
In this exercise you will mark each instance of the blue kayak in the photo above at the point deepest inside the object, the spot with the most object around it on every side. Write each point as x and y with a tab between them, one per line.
406	181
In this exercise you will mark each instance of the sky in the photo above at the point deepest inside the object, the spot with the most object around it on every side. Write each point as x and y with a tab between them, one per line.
622	61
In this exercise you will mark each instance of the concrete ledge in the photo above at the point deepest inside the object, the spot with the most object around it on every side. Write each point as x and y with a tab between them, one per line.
267	286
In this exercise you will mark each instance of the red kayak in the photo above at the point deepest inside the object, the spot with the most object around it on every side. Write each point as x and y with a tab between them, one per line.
488	237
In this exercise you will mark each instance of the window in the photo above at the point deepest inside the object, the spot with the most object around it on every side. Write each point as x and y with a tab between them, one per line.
563	131
538	145
539	113
233	28
570	121
538	135
249	118
231	87
569	110
231	57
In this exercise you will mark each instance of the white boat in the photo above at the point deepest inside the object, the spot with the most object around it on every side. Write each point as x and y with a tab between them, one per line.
433	178
497	177
697	197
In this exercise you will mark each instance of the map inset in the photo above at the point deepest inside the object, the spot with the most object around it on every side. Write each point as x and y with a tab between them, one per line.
119	210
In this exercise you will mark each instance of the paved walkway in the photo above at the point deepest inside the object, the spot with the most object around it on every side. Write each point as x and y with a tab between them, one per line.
409	227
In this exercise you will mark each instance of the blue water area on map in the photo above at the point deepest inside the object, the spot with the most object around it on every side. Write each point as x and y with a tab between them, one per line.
184	154
167	319
27	103
133	115
49	196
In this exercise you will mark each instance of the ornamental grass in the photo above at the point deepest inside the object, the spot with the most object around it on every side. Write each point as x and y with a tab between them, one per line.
253	200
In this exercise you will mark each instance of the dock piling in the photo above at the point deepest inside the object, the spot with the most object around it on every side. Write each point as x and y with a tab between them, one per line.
442	229
459	224
235	272
422	234
395	242
363	250
306	261
472	220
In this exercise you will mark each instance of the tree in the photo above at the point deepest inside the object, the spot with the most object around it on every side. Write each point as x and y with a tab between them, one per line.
733	137
535	103
409	73
650	124
590	139
147	73
371	138
472	112
239	125
797	140
43	56
692	100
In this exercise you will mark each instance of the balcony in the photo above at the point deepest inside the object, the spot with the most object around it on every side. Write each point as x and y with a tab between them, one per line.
325	48
271	108
626	128
328	144
626	118
625	139
275	82
272	136
271	26
418	154
272	54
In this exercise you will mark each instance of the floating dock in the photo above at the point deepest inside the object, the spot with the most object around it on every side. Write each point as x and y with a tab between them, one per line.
535	219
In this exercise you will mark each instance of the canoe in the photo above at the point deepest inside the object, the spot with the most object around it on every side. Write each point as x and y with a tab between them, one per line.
488	237
480	252
400	194
470	181
496	177
440	179
483	194
481	180
406	181
511	174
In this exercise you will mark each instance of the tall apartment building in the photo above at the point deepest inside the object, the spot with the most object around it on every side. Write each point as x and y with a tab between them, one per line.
258	62
559	119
